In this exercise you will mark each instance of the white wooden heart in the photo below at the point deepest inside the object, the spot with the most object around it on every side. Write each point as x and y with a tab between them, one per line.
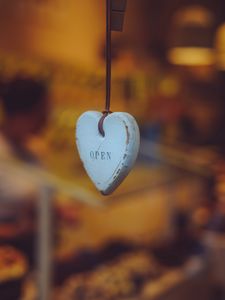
108	159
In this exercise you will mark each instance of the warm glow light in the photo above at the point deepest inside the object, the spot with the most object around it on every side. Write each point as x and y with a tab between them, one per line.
220	47
191	56
192	36
194	14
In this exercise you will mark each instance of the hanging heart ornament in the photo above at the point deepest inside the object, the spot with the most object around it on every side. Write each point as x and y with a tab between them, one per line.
107	159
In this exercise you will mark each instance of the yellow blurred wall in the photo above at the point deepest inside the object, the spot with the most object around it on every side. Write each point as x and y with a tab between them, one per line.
57	30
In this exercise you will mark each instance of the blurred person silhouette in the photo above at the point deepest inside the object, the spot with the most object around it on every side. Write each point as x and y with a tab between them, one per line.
25	107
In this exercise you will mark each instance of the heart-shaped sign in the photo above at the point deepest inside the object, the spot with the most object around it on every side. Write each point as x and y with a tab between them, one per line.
108	159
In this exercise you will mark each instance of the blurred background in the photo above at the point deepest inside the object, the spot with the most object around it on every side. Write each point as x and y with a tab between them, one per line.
161	235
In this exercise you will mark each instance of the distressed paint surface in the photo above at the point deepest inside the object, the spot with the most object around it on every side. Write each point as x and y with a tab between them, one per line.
107	160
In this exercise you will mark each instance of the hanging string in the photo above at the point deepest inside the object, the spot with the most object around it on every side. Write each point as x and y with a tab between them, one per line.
108	55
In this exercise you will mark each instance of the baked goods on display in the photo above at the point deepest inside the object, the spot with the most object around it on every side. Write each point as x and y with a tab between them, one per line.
169	280
13	264
140	264
120	279
13	269
24	243
18	229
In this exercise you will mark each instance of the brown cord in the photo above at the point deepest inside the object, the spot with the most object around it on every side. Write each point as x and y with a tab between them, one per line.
101	121
108	66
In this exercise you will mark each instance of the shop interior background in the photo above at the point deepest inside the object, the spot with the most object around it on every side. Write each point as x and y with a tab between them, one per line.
161	234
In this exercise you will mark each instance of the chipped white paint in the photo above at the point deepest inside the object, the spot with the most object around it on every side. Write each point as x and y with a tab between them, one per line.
107	160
